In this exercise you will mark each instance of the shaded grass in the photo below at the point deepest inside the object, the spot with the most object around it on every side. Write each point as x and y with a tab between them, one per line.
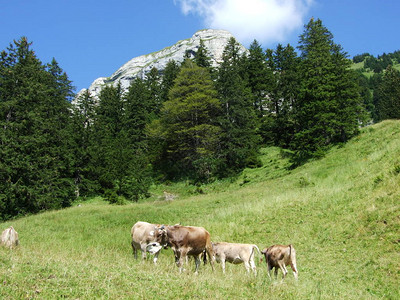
342	214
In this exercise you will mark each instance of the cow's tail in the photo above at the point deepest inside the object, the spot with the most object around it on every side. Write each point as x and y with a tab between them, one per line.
264	253
210	253
258	250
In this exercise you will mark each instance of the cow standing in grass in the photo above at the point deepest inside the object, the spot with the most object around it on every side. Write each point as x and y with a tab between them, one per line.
235	254
9	238
278	257
142	234
186	241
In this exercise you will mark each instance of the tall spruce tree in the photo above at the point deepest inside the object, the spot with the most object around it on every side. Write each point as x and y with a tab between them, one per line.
118	159
202	56
329	107
387	95
259	77
107	150
239	138
170	72
35	161
153	83
284	64
86	183
188	125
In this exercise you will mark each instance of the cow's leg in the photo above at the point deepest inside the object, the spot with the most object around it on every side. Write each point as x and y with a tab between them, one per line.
156	257
247	266
276	272
211	257
180	258
284	270
294	268
143	249
253	266
134	250
269	270
197	262
223	264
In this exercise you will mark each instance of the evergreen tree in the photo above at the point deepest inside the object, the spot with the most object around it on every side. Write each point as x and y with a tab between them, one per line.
329	107
35	161
239	139
137	112
170	72
284	64
202	57
108	148
366	94
153	83
259	77
188	125
118	153
83	139
387	95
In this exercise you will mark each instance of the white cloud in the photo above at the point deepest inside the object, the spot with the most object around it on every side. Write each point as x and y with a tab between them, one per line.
267	21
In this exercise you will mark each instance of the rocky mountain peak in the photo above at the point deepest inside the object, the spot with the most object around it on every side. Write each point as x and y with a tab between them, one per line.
214	40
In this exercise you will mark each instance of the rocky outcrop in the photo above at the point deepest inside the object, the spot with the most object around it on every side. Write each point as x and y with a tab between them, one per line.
214	40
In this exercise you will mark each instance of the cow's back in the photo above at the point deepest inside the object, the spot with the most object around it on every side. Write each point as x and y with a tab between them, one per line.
233	251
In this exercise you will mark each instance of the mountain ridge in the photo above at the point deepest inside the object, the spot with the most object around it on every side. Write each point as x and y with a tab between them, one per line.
214	40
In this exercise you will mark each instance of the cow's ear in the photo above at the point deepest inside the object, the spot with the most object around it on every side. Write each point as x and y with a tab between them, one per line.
152	233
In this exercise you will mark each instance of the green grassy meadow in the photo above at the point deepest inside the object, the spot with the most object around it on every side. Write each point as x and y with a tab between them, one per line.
341	213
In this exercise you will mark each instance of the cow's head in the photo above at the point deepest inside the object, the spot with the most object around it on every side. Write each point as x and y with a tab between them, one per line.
153	248
161	236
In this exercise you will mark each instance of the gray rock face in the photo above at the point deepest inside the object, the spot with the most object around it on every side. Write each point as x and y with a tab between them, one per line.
214	40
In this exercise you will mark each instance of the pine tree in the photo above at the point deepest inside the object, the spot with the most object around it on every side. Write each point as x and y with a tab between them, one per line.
329	107
154	86
387	95
86	183
35	114
239	139
284	64
170	72
188	124
108	147
259	77
202	57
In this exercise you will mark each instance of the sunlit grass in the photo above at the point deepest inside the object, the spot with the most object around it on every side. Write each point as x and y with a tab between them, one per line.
341	213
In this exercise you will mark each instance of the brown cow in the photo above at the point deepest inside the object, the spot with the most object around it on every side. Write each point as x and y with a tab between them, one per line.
142	234
235	254
278	256
186	241
9	238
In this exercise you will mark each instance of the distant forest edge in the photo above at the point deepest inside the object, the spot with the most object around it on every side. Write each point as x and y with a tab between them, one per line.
194	122
368	63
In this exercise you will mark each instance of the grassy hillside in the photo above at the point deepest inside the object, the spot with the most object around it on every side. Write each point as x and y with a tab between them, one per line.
369	73
342	214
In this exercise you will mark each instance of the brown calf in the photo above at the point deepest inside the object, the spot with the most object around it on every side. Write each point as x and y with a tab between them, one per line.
186	241
278	256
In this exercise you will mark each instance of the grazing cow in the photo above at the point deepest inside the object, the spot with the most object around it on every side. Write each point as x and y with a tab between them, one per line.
235	254
142	234
278	256
9	238
186	241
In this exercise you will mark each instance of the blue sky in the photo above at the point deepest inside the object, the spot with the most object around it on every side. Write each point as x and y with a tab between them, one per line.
91	39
